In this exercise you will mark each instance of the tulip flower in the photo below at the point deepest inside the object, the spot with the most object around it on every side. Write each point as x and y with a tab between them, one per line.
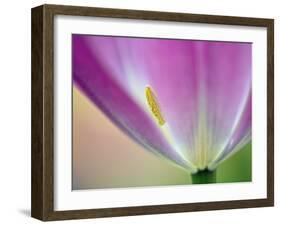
187	101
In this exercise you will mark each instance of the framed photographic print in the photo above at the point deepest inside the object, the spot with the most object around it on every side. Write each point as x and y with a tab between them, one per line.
141	112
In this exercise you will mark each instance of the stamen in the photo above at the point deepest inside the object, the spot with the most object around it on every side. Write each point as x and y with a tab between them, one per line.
154	106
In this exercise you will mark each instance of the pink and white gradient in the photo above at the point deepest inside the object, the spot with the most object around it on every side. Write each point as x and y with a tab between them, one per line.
202	87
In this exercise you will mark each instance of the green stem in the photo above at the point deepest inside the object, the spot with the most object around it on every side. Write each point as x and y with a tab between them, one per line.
204	177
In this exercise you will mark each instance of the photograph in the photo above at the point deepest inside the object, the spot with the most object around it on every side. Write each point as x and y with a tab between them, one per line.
160	112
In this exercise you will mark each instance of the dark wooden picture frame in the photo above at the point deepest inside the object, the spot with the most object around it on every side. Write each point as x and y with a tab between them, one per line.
42	204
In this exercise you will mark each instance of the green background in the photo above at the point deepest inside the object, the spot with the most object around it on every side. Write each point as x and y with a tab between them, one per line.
238	167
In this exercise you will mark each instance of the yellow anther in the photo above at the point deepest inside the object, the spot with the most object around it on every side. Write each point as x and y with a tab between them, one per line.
154	106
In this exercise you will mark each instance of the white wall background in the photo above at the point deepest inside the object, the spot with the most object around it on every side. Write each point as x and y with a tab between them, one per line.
15	112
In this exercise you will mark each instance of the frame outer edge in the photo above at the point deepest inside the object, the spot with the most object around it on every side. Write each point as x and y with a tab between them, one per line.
37	185
48	105
270	112
42	204
42	48
156	15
